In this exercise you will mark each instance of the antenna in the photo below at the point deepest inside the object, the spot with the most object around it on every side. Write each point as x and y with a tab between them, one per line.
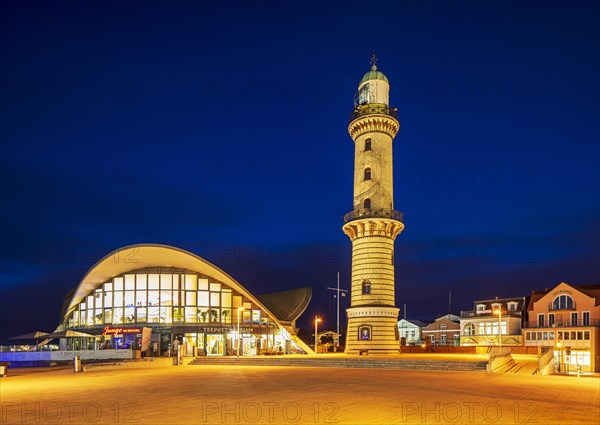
450	302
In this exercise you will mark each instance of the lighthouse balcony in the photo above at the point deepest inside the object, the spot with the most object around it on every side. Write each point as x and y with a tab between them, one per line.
372	213
373	108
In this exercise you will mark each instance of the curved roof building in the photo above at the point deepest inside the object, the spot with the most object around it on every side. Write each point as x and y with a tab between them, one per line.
184	300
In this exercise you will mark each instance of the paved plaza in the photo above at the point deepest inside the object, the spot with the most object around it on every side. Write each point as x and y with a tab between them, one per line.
292	395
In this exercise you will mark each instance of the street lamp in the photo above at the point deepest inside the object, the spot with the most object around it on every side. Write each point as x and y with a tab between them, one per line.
558	345
317	320
499	313
239	310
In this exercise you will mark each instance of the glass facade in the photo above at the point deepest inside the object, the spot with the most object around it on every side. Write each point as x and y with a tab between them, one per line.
183	308
164	296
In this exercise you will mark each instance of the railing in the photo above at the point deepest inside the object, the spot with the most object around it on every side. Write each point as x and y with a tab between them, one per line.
563	324
552	307
372	213
373	108
472	314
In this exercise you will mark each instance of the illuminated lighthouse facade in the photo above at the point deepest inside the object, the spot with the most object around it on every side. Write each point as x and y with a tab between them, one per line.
373	224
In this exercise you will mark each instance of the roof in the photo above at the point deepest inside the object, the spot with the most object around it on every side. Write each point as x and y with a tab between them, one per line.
135	257
287	306
521	302
374	74
592	291
418	323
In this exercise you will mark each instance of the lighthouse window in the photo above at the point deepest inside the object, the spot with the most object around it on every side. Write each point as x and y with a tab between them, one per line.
366	287
367	174
367	204
368	145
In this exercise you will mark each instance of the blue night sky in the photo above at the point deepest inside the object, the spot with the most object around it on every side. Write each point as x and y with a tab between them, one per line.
221	128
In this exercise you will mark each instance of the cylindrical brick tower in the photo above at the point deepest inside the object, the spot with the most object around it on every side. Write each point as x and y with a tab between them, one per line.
373	224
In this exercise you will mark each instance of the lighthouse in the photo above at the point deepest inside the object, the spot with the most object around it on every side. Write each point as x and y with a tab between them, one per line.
373	223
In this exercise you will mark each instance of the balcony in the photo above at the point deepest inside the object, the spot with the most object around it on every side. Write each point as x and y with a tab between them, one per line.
373	213
561	306
563	324
373	108
487	313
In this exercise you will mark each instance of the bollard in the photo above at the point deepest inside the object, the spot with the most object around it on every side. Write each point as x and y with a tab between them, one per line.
77	364
3	369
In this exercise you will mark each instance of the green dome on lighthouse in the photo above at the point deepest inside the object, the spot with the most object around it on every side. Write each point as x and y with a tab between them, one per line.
373	74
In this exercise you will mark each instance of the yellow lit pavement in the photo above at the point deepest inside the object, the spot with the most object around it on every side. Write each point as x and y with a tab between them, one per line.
292	395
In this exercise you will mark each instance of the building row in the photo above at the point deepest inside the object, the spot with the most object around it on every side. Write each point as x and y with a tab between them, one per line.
565	318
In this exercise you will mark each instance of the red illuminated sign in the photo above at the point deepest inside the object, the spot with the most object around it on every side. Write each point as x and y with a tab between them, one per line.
117	331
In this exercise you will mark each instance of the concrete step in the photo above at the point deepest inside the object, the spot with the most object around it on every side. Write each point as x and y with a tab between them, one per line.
343	363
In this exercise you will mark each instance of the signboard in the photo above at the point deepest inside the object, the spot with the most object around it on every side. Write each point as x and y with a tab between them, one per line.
146	334
364	333
118	331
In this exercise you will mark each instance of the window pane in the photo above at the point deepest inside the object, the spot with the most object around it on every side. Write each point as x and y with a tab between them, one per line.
152	299
165	298
215	299
153	314
141	281
226	299
153	281
191	314
108	316
216	287
129	314
176	282
142	314
166	281
203	284
108	286
118	282
140	298
118	301
129	298
129	282
191	282
108	299
203	299
190	298
117	315
165	315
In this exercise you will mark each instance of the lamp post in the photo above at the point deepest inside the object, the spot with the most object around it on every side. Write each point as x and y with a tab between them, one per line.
317	320
239	310
558	345
499	313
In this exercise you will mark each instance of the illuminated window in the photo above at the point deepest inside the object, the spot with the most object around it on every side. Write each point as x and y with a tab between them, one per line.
366	287
469	329
367	174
